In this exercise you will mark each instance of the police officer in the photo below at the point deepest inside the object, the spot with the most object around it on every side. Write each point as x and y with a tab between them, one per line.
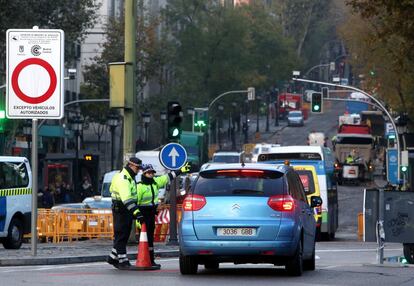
124	210
148	201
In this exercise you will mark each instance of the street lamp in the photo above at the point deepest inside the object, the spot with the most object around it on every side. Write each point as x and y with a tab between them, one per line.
76	124
27	131
258	98
163	117
146	116
219	124
112	121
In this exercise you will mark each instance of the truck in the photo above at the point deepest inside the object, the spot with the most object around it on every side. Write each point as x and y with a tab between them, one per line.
358	142
195	143
290	102
357	106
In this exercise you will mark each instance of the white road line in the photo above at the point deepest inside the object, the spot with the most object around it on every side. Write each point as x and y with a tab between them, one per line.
356	250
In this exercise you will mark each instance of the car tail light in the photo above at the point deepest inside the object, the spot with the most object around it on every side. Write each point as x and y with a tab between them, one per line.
282	203
194	203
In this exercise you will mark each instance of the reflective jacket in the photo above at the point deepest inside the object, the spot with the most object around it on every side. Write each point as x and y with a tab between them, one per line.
349	160
123	189
148	194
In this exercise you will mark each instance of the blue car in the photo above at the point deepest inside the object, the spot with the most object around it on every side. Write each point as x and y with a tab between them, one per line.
247	213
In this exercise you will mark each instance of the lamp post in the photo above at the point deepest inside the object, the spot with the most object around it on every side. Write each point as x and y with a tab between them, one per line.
258	98
246	120
277	107
146	116
76	126
112	121
27	131
219	124
163	117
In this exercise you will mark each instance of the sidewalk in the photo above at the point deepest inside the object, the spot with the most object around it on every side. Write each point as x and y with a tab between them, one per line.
94	250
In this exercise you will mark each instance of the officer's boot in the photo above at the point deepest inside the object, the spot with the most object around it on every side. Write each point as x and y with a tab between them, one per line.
123	262
113	258
153	259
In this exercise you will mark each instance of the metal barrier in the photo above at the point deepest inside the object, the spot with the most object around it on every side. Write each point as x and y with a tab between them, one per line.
74	224
360	226
71	224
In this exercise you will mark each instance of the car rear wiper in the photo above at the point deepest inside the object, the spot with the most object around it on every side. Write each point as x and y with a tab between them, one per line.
247	191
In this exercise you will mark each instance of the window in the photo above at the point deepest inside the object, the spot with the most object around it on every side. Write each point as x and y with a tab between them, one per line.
238	183
295	187
13	175
306	177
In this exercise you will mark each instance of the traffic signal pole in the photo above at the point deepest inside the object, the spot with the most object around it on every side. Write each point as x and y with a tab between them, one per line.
129	114
373	99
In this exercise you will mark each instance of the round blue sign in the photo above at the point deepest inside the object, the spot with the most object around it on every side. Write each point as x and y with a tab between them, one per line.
173	156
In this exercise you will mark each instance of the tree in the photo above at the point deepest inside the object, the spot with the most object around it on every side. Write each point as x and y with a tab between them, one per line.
382	45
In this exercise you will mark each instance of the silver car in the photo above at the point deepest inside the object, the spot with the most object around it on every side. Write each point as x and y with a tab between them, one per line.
295	118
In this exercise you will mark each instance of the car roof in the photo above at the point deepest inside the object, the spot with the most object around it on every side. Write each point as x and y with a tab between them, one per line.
251	166
227	153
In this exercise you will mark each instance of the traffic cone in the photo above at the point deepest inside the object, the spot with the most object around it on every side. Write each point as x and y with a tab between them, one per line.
143	257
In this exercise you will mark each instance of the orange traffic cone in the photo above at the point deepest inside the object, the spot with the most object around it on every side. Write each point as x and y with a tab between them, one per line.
143	257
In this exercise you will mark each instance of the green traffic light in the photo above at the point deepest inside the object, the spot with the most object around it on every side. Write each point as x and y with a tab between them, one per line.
2	114
175	132
316	107
404	168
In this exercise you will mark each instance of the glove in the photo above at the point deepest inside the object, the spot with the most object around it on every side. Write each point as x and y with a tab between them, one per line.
186	168
140	218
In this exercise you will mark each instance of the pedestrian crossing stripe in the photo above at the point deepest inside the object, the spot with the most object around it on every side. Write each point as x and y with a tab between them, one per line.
15	192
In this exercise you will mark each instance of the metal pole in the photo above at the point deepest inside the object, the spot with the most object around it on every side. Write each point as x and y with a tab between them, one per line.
380	227
173	213
397	139
130	92
257	114
192	121
267	111
112	147
277	109
163	131
34	188
77	162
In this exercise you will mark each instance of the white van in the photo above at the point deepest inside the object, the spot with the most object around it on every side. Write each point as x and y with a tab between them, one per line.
15	200
262	148
147	157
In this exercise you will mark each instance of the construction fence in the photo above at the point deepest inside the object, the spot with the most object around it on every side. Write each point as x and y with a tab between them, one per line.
77	224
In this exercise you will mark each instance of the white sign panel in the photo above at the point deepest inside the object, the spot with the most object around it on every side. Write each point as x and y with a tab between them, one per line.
35	73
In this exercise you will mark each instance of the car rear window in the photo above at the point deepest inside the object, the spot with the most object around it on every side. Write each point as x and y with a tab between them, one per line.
226	159
308	183
240	183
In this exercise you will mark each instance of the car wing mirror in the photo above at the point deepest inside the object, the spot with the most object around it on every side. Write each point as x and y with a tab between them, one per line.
316	201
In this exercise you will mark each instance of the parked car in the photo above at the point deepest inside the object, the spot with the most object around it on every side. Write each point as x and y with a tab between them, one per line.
247	213
295	118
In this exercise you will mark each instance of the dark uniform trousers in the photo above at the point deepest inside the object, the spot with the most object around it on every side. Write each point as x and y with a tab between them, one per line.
122	226
149	213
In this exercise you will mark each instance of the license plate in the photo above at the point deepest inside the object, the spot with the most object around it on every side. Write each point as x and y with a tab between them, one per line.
236	231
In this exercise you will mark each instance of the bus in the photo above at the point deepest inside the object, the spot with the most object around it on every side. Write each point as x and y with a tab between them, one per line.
323	160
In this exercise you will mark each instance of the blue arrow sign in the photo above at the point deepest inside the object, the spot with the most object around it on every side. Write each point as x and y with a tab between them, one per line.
173	156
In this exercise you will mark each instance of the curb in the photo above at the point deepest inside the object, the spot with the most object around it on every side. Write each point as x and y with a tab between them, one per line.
74	259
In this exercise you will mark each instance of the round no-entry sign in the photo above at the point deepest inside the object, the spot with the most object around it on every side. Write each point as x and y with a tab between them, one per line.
35	70
20	93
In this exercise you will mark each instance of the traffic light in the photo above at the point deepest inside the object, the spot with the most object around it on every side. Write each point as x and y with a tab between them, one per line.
316	102
404	169
325	92
174	118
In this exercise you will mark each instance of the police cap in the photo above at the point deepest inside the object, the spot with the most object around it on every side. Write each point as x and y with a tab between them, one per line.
135	161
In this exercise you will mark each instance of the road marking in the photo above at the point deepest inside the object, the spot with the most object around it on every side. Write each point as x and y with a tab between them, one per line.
355	250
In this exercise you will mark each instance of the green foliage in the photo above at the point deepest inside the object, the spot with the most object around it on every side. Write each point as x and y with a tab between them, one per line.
73	17
221	49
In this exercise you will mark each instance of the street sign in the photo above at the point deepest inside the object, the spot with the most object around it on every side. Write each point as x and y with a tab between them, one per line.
173	156
392	166
35	73
389	129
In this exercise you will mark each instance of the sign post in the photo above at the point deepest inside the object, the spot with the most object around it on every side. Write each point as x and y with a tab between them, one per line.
34	88
173	156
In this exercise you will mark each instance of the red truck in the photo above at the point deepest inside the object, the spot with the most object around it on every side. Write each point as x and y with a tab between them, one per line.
289	102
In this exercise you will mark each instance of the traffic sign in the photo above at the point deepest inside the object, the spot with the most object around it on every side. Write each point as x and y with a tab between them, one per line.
35	65
173	156
392	166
